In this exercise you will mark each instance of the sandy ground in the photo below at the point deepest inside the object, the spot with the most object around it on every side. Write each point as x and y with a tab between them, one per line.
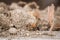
30	39
41	37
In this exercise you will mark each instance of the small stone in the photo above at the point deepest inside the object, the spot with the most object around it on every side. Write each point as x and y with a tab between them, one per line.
11	25
27	34
13	30
37	33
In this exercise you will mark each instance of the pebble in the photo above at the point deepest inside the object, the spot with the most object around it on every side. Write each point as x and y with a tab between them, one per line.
27	34
13	30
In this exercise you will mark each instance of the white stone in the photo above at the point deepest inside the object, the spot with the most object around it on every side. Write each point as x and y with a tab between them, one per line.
13	30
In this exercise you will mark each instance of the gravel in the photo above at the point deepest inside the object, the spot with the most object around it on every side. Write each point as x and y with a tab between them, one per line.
15	18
